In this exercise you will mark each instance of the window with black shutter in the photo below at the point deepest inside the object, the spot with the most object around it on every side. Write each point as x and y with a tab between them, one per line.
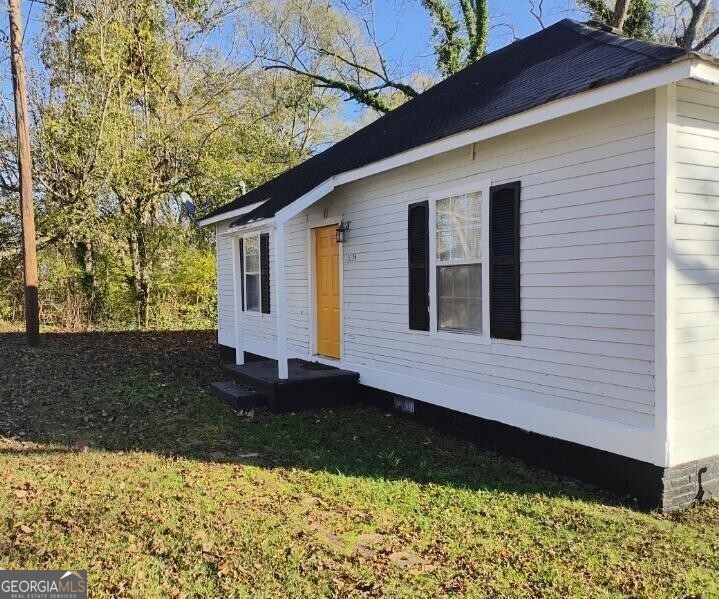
458	261
265	271
418	256
504	292
255	271
242	273
252	273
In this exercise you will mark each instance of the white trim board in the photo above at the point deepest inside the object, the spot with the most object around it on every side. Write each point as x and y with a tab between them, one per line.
280	302
664	285
684	68
705	71
248	229
237	300
203	222
630	441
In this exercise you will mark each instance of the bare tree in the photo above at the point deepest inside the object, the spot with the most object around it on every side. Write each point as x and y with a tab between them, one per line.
693	37
690	24
536	9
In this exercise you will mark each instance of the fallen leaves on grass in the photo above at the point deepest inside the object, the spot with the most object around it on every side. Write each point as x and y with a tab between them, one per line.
129	469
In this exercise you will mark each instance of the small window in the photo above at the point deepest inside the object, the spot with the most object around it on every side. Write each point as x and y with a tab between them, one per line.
458	260
252	273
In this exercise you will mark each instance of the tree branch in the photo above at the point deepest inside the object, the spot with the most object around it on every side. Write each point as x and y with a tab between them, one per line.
707	40
536	9
356	92
406	89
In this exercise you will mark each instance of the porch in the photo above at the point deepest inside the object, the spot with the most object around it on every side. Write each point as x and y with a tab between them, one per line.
308	385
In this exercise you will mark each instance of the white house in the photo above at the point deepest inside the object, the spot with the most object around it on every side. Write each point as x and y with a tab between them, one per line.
534	242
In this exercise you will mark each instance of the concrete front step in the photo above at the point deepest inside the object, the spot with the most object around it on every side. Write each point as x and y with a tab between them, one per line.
236	396
310	385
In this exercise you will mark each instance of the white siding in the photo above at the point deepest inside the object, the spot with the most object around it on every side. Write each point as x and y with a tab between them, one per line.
587	247
260	329
225	302
298	294
695	430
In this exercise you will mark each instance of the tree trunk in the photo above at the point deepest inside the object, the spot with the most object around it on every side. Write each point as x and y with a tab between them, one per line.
699	12
27	211
139	279
621	9
85	257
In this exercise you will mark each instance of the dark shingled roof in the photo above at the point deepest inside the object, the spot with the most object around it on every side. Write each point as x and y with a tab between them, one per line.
563	60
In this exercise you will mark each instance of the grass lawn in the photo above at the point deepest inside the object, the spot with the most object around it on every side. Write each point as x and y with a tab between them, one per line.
114	459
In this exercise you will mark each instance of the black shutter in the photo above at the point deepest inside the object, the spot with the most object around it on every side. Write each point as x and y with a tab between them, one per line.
505	315
418	254
265	272
242	274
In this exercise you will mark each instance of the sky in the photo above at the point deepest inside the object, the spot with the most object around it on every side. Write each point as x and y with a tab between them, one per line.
404	30
405	27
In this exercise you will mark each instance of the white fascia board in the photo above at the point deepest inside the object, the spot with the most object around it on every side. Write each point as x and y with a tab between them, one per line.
546	112
305	201
676	71
265	223
204	222
682	69
705	71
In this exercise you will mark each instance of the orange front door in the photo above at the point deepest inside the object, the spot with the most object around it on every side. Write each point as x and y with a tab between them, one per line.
327	291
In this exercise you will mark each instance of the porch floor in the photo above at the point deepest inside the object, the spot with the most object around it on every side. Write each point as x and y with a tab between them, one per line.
309	384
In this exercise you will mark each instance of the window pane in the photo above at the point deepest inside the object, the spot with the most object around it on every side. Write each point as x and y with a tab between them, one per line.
474	285
459	242
252	254
474	209
443	215
446	320
252	292
459	298
461	282
459	227
473	249
443	245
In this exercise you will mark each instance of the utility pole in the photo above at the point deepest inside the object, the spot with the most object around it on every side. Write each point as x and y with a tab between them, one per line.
27	213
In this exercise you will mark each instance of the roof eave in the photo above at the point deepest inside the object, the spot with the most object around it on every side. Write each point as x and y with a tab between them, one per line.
214	218
256	225
685	67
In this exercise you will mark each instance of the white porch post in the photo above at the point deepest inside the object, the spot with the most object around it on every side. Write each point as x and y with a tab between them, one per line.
281	303
237	286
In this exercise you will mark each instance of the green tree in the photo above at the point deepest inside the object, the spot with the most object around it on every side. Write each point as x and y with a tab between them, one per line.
460	40
136	104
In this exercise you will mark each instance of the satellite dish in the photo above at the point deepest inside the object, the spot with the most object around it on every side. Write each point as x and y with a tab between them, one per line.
188	204
190	207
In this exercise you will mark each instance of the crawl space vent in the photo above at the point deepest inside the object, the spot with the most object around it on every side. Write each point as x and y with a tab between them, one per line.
404	404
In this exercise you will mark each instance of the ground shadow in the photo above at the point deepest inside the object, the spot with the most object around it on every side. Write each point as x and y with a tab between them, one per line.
147	392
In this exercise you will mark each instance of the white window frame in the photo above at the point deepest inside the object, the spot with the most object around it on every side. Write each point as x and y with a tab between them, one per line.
258	273
482	187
